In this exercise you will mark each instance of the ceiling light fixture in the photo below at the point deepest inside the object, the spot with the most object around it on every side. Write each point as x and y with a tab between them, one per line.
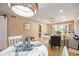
24	9
61	10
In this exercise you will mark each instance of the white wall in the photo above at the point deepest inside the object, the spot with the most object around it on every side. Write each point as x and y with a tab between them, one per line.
3	32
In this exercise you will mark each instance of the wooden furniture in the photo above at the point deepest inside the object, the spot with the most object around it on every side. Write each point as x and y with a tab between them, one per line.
55	41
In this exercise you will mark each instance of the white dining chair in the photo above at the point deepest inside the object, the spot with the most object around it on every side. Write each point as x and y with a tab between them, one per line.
14	40
65	52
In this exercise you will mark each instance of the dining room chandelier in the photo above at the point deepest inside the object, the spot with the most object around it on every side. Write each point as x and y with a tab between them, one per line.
24	9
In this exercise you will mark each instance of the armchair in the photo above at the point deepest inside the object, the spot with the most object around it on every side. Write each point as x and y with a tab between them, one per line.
55	41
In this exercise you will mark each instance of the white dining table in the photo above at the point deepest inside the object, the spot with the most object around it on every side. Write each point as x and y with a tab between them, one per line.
36	51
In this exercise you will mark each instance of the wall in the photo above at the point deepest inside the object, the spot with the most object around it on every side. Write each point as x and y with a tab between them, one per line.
70	24
3	32
16	27
49	28
76	24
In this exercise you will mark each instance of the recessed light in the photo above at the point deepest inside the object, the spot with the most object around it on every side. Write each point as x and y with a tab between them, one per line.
61	10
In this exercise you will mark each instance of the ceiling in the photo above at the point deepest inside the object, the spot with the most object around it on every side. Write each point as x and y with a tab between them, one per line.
49	11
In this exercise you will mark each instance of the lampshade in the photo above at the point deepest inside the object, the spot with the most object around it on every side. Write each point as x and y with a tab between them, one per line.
24	9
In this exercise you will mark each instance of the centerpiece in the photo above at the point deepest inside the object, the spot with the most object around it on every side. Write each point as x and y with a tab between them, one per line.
26	43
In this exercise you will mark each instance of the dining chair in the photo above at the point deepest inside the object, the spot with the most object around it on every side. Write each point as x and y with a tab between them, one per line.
65	51
14	40
55	41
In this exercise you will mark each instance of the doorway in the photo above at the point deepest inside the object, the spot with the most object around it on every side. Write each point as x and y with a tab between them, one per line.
40	31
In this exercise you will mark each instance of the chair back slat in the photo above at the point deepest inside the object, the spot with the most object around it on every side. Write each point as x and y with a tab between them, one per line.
14	40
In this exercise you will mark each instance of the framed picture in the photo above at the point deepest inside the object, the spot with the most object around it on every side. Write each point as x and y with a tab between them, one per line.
27	26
